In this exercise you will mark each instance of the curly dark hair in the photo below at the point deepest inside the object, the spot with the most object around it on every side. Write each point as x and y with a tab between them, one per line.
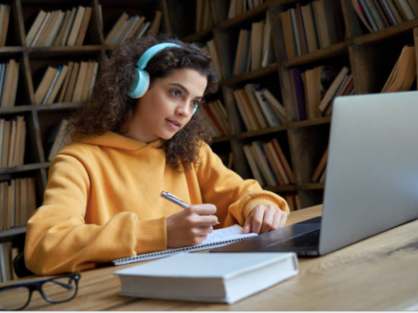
109	106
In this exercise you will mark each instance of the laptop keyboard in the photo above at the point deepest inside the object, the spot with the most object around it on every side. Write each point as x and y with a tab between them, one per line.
306	240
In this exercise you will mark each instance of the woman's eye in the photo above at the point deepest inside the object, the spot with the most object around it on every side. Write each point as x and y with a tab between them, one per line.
176	93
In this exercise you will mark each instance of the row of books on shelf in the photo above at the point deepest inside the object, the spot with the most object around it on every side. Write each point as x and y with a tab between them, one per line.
379	14
215	118
132	27
268	163
12	141
237	7
59	28
18	202
310	27
7	255
203	18
67	83
254	48
315	89
259	108
9	77
4	23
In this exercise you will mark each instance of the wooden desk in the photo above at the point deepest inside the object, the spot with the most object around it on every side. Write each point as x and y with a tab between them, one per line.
380	273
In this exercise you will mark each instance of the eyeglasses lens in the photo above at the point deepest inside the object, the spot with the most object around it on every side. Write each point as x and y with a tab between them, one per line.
60	289
14	298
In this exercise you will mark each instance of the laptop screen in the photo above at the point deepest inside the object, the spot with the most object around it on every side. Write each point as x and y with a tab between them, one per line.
372	172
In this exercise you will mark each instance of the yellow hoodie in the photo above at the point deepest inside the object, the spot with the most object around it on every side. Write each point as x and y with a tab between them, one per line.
103	202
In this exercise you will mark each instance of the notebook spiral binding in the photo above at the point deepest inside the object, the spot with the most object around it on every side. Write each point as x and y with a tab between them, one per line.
166	253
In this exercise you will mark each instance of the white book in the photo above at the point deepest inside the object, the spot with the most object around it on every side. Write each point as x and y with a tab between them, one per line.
51	86
218	238
35	27
75	28
143	29
275	104
55	29
208	277
269	113
40	30
253	165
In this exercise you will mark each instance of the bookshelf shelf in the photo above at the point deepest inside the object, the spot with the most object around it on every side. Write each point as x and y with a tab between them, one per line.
287	188
6	235
57	106
313	186
311	122
337	49
386	33
272	68
221	139
5	51
23	168
265	131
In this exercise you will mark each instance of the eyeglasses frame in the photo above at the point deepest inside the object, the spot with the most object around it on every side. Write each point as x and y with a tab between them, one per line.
37	285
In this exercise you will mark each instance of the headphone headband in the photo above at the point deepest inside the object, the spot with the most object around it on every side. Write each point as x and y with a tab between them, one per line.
151	52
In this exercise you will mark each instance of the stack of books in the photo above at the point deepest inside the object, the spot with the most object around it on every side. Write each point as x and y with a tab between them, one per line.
215	118
237	7
9	77
259	108
268	163
404	72
314	90
307	28
4	23
67	83
12	142
132	27
376	15
58	28
254	48
203	20
18	202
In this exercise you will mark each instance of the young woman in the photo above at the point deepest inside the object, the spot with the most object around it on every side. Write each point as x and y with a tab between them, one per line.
103	198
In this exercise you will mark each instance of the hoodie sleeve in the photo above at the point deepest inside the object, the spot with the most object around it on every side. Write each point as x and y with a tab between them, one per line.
233	197
58	239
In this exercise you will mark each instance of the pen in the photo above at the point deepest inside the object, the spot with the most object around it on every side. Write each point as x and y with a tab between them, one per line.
176	200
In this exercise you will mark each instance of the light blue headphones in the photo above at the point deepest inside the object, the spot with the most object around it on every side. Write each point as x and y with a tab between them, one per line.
141	80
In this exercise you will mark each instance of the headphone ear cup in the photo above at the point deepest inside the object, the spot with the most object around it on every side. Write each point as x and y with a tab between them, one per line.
140	84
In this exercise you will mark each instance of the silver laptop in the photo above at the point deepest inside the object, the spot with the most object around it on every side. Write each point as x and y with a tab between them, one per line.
371	180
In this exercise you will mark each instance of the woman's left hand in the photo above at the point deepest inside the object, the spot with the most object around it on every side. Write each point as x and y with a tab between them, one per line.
264	218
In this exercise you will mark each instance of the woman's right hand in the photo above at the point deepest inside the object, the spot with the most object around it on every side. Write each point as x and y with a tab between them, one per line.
190	226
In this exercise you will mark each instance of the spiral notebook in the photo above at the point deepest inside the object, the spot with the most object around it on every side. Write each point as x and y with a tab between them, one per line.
218	238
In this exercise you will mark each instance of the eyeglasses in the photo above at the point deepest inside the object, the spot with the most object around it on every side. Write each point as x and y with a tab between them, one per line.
54	290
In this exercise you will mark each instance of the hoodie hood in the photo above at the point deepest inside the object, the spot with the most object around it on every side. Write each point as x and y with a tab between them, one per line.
114	140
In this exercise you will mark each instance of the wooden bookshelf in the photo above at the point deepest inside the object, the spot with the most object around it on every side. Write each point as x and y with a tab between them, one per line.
370	56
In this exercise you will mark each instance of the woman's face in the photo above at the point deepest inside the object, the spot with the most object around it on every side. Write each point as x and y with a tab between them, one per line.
167	106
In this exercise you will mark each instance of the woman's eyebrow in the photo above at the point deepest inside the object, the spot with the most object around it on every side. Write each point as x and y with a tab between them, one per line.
185	89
